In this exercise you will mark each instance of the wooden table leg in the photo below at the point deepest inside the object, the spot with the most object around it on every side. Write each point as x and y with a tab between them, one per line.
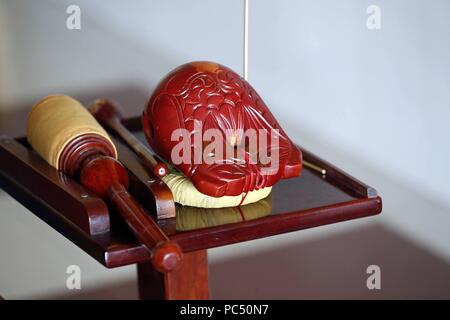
189	282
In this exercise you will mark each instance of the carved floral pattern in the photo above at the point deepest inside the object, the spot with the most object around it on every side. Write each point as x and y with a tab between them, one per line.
218	98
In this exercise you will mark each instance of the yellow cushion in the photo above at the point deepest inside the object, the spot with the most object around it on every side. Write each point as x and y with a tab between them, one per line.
186	194
55	121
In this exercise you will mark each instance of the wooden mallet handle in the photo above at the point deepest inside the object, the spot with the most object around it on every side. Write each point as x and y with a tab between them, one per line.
109	179
166	254
68	137
108	115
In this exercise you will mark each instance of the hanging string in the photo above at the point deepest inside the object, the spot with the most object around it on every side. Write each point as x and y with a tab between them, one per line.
245	71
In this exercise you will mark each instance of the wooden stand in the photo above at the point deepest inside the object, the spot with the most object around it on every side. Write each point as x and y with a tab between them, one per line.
299	203
189	282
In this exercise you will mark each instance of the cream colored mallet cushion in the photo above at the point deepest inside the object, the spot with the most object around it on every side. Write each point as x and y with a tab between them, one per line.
55	121
185	193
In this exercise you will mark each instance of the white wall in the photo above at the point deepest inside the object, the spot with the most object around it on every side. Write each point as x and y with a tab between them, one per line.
377	103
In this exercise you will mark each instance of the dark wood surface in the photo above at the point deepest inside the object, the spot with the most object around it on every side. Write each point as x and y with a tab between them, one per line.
299	203
189	282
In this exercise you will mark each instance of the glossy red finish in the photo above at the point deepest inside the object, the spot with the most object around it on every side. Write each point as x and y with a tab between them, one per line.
108	115
107	177
84	159
166	255
188	282
82	148
82	208
98	174
298	203
217	98
160	170
83	218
